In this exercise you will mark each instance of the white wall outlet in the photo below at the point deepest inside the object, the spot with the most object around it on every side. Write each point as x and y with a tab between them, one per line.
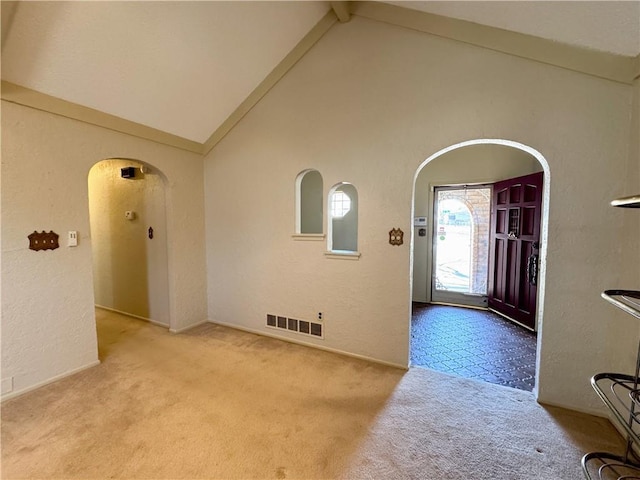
72	238
320	316
130	215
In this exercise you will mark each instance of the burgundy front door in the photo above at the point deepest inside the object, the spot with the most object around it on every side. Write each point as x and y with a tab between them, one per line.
515	244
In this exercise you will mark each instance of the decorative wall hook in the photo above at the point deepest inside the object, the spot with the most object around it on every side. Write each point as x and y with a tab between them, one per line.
43	240
395	236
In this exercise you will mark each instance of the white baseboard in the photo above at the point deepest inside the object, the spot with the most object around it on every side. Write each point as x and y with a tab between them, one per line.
172	330
312	345
102	307
184	329
588	411
596	413
17	393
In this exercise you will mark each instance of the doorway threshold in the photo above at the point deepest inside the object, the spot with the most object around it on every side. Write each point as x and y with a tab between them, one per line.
473	307
512	320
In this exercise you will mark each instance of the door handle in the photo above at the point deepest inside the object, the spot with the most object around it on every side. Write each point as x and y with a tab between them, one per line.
532	269
513	235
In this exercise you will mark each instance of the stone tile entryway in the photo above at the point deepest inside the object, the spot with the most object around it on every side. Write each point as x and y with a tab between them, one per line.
474	344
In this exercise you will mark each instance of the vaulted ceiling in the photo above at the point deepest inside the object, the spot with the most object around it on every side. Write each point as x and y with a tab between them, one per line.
180	67
185	67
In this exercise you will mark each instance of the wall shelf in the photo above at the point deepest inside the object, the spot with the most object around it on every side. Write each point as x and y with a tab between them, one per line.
627	202
620	393
604	466
626	300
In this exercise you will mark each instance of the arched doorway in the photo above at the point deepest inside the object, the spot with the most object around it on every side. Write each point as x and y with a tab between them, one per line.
471	163
127	210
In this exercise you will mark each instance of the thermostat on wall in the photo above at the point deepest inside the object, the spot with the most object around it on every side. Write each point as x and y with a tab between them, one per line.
420	221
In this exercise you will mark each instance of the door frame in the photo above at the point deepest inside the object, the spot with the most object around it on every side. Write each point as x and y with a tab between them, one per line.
544	234
165	233
442	296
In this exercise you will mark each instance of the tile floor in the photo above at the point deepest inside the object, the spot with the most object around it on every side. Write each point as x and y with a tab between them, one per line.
474	344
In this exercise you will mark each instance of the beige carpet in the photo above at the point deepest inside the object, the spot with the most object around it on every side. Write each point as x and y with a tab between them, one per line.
218	403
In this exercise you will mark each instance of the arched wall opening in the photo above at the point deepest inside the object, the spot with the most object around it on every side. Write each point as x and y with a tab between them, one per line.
420	262
309	202
128	221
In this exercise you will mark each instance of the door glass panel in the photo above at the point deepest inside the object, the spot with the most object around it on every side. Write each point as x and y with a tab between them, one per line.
461	243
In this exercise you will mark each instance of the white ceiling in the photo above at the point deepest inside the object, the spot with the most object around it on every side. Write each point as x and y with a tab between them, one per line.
184	67
180	67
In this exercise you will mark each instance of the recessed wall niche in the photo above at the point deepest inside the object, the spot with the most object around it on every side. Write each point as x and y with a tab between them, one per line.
309	212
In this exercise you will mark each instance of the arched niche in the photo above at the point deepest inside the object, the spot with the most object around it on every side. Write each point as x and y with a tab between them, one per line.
309	211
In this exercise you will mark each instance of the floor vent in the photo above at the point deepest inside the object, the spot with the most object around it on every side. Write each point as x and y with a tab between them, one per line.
312	329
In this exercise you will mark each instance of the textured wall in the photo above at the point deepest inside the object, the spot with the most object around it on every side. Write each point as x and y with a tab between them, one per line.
48	326
367	105
129	268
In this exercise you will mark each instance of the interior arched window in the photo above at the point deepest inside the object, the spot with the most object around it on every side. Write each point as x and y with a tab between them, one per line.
343	221
340	204
309	215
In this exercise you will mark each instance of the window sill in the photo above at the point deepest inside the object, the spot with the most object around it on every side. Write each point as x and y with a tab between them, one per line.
343	255
314	237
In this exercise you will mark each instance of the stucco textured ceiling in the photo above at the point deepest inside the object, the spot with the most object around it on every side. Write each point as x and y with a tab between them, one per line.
183	67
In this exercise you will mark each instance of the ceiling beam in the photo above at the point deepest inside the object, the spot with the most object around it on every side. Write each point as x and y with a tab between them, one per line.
609	66
30	98
341	9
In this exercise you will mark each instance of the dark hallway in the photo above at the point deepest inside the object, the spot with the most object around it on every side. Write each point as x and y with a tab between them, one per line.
474	344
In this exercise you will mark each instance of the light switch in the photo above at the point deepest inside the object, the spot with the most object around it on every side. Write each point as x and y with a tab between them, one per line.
72	239
129	215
